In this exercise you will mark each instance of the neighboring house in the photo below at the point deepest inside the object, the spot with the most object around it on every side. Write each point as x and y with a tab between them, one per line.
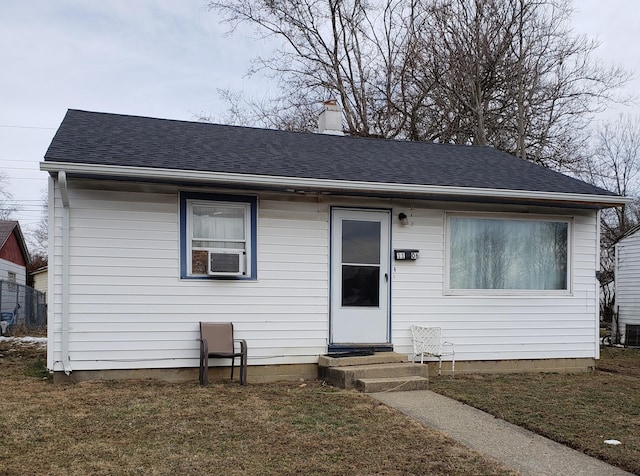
40	278
310	243
14	256
627	288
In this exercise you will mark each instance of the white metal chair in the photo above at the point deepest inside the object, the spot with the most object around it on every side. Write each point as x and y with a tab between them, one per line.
427	341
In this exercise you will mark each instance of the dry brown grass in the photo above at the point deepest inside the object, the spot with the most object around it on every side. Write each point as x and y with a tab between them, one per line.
579	410
157	428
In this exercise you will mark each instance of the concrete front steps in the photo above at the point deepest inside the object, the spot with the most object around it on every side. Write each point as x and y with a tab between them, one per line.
380	372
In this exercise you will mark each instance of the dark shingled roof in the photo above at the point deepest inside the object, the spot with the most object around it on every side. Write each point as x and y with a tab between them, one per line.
119	140
6	228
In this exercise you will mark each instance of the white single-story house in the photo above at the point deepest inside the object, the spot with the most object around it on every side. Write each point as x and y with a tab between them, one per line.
309	243
627	289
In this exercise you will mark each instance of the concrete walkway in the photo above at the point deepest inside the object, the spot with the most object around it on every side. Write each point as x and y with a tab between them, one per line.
515	447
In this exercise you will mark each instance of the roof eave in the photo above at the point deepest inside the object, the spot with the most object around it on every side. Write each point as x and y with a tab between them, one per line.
330	185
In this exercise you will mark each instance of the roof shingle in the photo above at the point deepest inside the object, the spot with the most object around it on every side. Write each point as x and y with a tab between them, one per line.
120	140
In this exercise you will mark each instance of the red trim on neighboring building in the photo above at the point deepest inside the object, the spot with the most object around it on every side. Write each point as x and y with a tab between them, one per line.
11	251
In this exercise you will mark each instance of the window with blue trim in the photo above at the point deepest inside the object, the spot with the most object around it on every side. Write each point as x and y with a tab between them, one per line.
217	236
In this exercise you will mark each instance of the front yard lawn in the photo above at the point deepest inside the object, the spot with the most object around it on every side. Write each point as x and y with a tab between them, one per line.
579	410
155	428
159	428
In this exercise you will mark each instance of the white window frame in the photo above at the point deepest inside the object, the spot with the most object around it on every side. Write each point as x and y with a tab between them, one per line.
246	207
12	280
192	199
508	292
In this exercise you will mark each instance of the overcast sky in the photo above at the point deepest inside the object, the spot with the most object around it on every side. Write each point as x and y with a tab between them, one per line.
160	58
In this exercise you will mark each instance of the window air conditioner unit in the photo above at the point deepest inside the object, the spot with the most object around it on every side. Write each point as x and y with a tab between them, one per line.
227	263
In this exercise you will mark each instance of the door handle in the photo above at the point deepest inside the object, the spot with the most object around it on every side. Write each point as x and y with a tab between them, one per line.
386	277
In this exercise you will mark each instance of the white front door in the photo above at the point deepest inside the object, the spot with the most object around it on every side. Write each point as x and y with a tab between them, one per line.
359	277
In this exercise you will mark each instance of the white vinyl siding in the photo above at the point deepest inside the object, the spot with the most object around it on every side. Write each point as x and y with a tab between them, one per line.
517	326
19	272
128	307
40	282
627	282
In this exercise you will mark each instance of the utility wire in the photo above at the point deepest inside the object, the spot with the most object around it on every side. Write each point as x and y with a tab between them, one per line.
27	127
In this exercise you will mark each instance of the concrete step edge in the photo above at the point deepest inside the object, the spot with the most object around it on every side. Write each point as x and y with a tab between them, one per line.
392	379
377	371
346	377
392	384
389	365
377	358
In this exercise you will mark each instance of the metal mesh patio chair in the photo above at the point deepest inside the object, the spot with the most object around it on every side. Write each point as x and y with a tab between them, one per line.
217	341
427	342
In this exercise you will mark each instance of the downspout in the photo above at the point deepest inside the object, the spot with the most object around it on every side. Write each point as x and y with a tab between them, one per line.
64	194
615	315
599	270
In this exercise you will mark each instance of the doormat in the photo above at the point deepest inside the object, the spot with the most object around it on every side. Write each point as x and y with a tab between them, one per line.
350	353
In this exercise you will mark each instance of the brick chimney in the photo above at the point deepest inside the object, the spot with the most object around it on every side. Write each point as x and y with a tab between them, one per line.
330	120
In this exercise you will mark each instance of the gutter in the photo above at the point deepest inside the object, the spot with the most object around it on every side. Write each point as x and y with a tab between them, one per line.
64	193
300	184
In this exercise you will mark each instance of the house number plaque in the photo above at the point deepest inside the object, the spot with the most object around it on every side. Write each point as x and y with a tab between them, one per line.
405	255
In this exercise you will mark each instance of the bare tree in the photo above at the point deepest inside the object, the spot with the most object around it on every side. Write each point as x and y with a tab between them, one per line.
7	206
39	236
297	113
356	51
509	73
615	165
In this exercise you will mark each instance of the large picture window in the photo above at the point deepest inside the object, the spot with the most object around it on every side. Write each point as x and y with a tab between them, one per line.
217	236
487	253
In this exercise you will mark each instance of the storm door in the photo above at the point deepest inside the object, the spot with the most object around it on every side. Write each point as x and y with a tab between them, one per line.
359	278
